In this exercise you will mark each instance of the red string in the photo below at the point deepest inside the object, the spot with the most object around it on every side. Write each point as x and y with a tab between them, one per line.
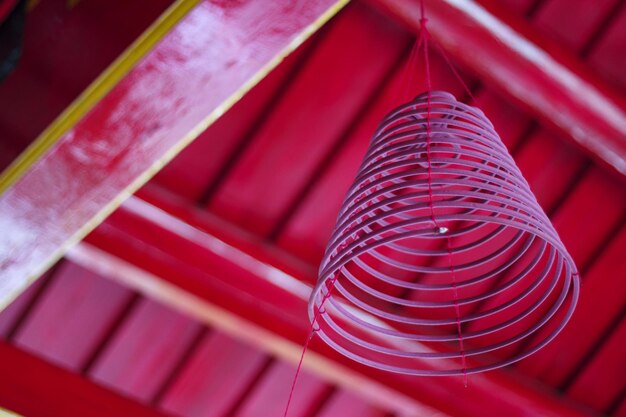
455	72
402	90
409	80
312	330
424	35
422	41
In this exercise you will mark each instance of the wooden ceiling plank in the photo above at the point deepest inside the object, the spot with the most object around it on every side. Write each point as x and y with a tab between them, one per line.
52	74
146	348
590	215
338	77
165	90
220	278
214	378
585	220
269	396
601	383
505	51
591	320
12	316
608	57
346	404
550	167
306	232
578	23
35	388
196	170
72	317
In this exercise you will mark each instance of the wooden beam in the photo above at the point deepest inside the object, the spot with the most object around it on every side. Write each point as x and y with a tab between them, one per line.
35	388
188	69
220	275
6	413
506	52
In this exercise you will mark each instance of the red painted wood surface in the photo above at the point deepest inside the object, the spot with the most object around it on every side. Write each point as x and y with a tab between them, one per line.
309	119
508	53
269	396
87	38
608	56
33	387
509	121
199	166
621	409
344	404
233	365
550	167
246	290
518	6
607	366
11	316
182	81
592	319
584	200
590	215
144	351
578	21
580	229
87	305
309	225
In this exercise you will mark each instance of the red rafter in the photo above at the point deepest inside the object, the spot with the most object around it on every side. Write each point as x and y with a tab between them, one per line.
35	388
507	53
189	260
216	53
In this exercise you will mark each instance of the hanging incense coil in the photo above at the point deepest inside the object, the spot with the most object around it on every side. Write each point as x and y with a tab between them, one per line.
442	262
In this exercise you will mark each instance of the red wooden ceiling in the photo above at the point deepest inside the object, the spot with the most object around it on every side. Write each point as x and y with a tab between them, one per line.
277	164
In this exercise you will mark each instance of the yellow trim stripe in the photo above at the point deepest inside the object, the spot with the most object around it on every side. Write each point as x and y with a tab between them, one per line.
99	217
6	413
95	92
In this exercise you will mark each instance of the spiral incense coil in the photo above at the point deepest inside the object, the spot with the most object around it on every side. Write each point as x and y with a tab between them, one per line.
441	261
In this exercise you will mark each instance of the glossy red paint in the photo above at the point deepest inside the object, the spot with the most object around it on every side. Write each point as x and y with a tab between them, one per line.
87	306
505	51
270	394
55	392
330	92
591	320
344	403
158	107
12	316
248	281
607	366
235	365
578	363
139	369
193	177
308	225
87	38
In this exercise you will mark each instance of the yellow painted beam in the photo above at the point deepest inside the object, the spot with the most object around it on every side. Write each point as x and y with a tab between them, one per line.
46	206
96	91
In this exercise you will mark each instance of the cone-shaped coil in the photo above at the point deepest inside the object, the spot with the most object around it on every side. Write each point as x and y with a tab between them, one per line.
441	262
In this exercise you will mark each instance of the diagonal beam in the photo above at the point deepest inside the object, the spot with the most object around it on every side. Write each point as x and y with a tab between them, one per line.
506	52
220	275
192	65
35	388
